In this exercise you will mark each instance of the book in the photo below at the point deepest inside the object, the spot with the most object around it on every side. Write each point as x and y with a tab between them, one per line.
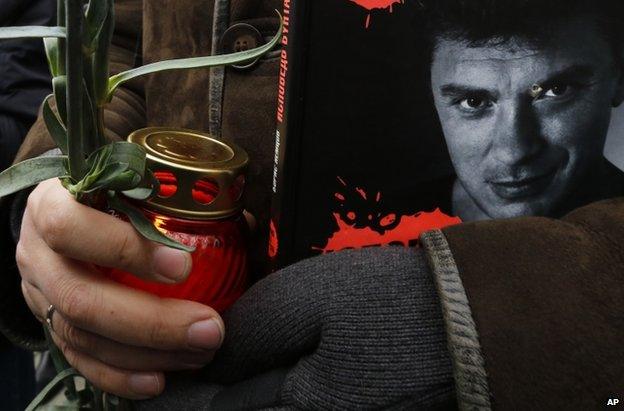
360	160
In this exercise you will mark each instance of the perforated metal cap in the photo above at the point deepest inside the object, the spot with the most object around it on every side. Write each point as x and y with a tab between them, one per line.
200	177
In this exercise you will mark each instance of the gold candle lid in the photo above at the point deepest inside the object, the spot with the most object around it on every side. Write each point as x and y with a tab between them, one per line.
201	177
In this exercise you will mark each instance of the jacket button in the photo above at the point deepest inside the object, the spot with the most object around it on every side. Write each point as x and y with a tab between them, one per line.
240	37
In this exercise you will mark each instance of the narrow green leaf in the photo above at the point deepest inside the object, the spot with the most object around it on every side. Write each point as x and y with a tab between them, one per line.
99	30
105	177
60	20
42	396
142	224
59	87
52	53
117	166
60	364
131	153
93	141
31	31
194	62
96	164
97	13
139	193
54	125
67	405
148	188
30	172
128	180
101	63
100	156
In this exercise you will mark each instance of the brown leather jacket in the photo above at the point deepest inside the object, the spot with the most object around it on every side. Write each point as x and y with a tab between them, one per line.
534	306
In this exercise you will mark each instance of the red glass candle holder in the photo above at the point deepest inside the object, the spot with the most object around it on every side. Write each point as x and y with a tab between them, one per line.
200	205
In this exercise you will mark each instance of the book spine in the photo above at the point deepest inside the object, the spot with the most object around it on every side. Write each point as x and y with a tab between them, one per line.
289	115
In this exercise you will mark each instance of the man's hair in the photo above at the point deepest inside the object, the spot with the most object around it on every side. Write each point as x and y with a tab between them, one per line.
481	22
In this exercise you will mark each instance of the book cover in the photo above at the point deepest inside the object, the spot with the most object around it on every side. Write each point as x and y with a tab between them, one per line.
359	158
398	117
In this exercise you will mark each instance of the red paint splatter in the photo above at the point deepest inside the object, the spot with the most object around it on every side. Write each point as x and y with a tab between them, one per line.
388	220
364	221
375	4
273	241
410	228
361	192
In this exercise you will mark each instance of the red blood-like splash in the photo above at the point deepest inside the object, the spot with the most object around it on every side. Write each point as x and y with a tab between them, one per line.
273	241
376	4
409	229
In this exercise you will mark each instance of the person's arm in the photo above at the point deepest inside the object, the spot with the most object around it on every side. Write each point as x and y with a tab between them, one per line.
121	339
473	319
535	300
357	329
124	114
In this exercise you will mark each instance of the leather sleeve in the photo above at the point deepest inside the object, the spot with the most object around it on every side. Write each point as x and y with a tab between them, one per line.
546	298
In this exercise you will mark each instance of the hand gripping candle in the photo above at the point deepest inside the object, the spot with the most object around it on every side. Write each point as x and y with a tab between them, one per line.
199	204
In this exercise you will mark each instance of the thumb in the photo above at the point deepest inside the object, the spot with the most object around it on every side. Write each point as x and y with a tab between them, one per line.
276	322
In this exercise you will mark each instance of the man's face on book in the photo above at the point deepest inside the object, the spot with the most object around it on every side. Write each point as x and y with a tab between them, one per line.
526	124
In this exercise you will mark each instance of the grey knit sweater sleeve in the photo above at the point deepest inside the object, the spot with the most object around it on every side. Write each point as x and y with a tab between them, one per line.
361	329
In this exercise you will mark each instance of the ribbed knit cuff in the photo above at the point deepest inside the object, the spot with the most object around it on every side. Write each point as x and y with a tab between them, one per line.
471	382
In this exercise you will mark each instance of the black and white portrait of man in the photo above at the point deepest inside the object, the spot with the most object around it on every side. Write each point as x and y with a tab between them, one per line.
524	91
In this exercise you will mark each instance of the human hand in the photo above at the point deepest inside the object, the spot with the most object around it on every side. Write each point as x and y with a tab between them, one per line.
351	330
119	338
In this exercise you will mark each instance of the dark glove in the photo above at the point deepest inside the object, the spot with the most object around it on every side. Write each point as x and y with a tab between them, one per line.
350	330
183	391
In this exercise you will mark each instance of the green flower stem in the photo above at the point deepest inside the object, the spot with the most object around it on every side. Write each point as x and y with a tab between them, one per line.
74	64
64	376
60	20
60	364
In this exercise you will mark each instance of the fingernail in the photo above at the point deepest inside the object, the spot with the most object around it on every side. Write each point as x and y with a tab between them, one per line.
144	384
172	264
205	334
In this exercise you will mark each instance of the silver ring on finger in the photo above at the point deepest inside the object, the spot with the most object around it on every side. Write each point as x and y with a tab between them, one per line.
49	315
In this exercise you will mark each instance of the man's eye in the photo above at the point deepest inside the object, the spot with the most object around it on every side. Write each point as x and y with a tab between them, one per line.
473	103
557	90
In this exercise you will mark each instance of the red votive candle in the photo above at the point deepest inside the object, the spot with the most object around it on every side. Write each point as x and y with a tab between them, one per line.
200	205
